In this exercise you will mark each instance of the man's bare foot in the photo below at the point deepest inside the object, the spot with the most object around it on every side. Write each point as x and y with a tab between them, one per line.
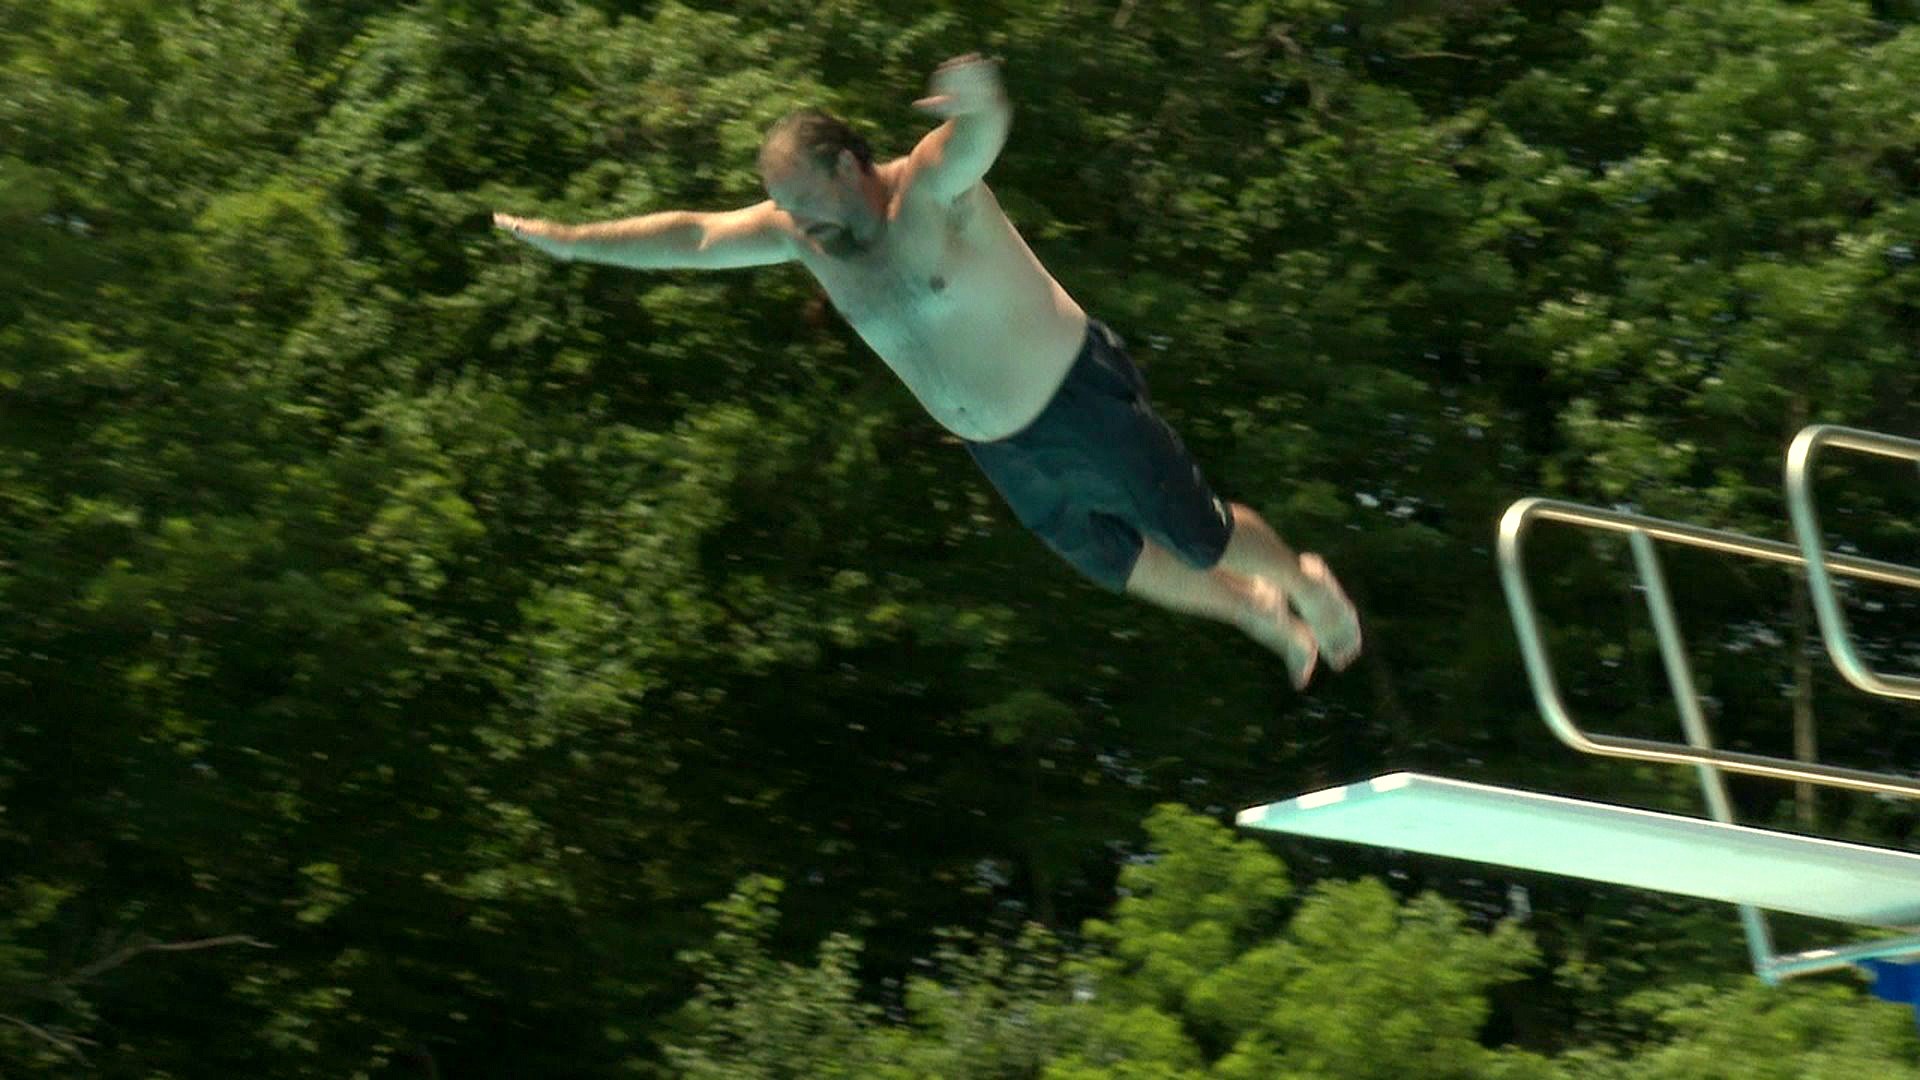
1326	609
1272	625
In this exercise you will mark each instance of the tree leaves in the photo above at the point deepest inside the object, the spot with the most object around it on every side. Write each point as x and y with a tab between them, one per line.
1353	982
461	622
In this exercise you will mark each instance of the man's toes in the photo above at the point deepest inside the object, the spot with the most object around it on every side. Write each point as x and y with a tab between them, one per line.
1302	656
1335	622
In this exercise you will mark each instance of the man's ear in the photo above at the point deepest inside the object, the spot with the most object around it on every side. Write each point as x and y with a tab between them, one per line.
847	167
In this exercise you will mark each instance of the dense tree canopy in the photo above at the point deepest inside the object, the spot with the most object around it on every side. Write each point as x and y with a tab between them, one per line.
422	657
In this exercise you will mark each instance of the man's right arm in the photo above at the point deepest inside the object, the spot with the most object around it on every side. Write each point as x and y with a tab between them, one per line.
758	235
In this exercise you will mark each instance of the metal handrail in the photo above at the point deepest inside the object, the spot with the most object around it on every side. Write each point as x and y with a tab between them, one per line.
1513	526
1821	566
1806	527
1693	720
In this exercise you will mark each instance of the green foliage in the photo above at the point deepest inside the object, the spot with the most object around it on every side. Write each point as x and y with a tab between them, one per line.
1179	983
1737	240
42	1021
462	622
986	1010
1357	983
760	1018
1197	901
1767	1033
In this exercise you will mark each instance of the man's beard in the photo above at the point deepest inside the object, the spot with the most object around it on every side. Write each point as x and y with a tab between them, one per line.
842	242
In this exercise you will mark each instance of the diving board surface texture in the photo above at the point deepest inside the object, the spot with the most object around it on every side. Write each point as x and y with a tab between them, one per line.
1644	849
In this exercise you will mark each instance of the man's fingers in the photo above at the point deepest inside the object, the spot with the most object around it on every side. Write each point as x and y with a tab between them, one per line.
969	62
961	85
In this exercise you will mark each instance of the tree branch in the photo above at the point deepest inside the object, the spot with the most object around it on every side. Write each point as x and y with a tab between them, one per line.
65	1043
108	963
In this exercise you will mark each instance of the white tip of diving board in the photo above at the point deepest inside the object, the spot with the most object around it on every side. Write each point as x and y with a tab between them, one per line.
1616	844
1253	816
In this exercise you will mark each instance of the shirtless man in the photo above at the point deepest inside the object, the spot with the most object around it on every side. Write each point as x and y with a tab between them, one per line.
916	254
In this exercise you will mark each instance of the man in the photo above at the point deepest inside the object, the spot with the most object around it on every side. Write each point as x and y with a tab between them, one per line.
916	254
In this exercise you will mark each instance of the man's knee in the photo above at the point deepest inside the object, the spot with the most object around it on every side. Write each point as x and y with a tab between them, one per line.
1104	549
1201	539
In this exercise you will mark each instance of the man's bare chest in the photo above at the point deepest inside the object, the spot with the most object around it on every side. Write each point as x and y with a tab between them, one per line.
922	270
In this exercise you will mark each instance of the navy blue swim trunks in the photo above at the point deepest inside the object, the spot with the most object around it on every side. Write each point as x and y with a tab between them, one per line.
1098	469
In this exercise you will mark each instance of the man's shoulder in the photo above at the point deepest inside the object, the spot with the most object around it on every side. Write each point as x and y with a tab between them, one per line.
897	171
911	190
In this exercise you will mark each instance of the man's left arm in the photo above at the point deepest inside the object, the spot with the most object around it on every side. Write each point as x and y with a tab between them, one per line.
955	156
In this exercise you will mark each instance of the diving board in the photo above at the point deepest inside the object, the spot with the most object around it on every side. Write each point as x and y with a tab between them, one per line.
1709	858
1620	845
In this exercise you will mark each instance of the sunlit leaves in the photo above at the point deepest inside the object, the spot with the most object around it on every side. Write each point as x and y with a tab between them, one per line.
1197	973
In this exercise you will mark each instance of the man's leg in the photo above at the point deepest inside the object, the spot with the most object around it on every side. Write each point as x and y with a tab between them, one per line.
1256	607
1256	551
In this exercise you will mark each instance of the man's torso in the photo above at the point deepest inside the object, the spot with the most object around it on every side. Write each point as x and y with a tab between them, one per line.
957	305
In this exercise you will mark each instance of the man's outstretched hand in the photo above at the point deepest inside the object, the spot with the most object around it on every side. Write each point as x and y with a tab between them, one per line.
962	85
538	233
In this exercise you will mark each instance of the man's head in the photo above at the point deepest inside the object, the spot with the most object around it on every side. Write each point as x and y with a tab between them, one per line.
819	170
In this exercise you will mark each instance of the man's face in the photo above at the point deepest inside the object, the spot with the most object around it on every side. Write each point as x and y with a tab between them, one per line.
830	205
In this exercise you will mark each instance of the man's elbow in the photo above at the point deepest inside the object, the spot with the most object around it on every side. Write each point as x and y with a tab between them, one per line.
978	139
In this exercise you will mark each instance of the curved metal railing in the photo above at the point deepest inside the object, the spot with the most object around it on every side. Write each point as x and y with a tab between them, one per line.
1642	529
1821	567
1806	527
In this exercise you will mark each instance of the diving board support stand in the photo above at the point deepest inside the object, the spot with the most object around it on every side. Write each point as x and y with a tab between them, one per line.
1757	870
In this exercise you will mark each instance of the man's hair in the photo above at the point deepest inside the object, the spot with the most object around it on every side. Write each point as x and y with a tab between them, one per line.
815	135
